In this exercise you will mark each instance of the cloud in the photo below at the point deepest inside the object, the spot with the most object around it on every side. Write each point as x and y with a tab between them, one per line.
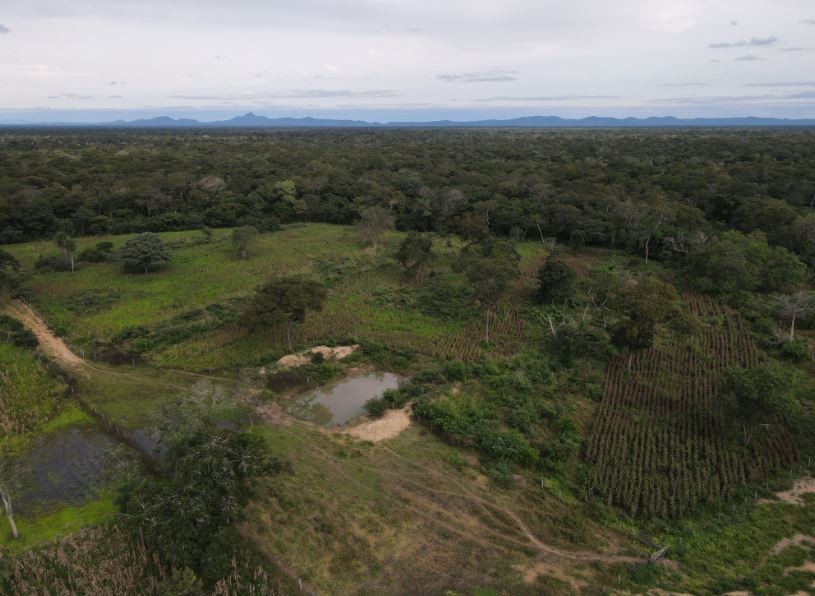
533	98
489	76
4	29
752	42
114	83
688	84
293	94
794	49
783	84
748	58
70	96
808	22
734	23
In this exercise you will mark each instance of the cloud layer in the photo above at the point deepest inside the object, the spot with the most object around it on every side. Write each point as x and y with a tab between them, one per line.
407	58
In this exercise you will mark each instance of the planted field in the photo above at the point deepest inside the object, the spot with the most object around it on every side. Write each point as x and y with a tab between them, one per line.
661	441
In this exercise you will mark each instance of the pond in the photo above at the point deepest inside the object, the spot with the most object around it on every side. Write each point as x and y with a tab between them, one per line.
63	468
338	402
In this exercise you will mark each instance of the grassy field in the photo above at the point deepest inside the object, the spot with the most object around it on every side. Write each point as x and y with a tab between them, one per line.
29	395
167	311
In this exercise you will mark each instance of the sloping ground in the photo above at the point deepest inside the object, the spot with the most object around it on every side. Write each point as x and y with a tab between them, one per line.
658	442
394	518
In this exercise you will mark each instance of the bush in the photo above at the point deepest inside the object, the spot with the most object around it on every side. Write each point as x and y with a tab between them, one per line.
376	407
15	333
796	350
53	263
103	251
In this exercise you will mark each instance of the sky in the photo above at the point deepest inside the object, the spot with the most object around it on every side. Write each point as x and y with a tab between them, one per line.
381	60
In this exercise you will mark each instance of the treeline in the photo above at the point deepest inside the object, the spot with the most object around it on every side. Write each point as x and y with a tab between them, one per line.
655	192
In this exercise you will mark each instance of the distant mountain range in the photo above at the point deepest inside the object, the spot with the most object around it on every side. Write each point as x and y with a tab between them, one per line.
251	120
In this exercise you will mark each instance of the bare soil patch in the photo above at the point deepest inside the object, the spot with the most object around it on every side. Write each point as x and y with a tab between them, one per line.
301	358
793	496
53	346
387	427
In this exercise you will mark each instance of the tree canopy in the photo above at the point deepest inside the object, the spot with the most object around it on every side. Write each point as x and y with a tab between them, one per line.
144	253
284	301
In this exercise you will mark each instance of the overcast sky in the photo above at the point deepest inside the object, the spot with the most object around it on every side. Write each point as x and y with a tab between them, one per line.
405	59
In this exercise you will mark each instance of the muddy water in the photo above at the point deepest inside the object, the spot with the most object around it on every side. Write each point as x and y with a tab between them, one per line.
338	402
63	468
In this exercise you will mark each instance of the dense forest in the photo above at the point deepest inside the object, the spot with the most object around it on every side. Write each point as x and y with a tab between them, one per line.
654	191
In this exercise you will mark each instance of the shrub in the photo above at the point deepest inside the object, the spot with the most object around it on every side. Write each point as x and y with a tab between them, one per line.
376	407
796	350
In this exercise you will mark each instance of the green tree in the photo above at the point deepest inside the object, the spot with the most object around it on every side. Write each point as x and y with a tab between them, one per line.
761	395
794	307
9	271
643	307
489	267
284	301
556	282
734	262
67	245
414	253
144	253
374	221
188	511
242	239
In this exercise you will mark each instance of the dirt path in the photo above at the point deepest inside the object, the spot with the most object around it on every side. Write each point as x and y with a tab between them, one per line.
53	346
58	351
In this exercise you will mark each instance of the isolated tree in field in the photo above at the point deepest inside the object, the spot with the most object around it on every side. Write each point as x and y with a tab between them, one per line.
144	253
414	253
242	240
67	244
643	306
283	302
9	271
761	394
489	268
556	282
374	221
794	307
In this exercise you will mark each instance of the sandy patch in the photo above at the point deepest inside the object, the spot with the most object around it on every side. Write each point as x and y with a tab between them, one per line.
301	358
793	496
795	540
387	427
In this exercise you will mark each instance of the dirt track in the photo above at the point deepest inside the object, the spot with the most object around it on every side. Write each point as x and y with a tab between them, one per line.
53	346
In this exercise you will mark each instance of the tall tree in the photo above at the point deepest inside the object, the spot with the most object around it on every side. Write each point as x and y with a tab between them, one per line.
414	253
374	221
489	267
793	307
67	245
643	307
761	394
284	301
556	281
242	239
